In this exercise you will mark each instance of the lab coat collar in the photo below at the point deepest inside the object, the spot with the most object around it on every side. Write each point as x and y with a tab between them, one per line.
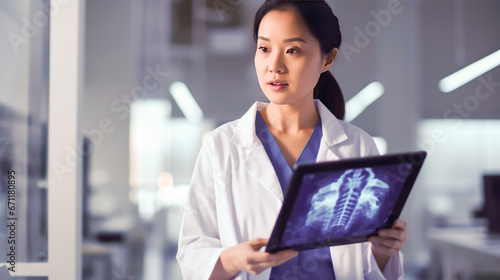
257	163
243	136
333	132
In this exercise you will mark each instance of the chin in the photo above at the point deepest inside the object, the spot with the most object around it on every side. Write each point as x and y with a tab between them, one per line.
283	98
278	100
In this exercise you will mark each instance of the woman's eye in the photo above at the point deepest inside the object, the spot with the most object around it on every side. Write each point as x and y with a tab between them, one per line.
293	51
263	49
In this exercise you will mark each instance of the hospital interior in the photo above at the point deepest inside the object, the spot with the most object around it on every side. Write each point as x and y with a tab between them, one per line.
104	106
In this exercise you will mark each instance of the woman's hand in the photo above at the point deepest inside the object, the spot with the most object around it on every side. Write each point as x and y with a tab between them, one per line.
389	242
247	256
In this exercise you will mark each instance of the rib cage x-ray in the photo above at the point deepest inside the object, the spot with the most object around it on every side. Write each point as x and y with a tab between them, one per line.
357	192
341	204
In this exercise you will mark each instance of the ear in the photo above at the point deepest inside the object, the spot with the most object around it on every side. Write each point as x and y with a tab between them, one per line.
330	57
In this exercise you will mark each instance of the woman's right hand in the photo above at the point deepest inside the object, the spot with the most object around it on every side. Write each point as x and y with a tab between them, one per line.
247	256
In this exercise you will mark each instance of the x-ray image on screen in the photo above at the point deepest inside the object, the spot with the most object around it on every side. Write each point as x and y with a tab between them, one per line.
356	193
353	202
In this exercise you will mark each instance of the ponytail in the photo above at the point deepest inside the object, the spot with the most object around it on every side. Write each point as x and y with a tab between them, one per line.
328	91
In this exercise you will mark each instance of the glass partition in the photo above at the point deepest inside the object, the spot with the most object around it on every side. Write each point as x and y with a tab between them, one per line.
24	83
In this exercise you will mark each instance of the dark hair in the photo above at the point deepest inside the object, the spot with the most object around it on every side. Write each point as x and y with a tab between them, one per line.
324	25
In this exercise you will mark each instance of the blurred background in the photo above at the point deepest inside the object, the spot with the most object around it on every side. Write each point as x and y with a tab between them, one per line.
157	75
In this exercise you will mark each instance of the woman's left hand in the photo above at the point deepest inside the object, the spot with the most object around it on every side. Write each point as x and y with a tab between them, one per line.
389	242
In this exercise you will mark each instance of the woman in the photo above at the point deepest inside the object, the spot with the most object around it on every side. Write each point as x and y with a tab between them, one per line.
244	166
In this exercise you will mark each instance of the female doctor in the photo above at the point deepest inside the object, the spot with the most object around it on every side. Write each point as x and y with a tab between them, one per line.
244	166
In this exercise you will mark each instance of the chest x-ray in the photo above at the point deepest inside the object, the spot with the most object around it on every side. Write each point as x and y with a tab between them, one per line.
333	205
356	195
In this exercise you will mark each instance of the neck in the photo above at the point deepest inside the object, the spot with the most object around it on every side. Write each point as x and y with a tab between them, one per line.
291	118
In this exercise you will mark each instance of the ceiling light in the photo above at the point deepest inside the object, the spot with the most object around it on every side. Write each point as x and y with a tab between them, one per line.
186	102
357	104
470	72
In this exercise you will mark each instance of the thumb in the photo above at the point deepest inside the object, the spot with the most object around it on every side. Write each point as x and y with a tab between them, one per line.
258	243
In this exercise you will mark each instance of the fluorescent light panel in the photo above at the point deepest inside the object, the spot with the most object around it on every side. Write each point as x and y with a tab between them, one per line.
357	104
470	72
186	102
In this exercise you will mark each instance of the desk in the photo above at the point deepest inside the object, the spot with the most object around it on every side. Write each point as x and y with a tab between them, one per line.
464	253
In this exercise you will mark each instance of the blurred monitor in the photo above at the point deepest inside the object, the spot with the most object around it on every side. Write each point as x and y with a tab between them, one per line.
492	201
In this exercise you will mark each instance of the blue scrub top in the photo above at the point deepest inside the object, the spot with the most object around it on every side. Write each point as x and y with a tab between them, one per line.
308	264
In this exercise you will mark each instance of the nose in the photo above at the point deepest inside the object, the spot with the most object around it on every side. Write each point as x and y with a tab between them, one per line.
276	64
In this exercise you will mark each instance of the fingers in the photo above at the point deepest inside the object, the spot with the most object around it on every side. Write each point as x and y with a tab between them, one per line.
397	231
392	250
258	262
258	256
275	260
393	233
278	257
390	241
258	243
399	224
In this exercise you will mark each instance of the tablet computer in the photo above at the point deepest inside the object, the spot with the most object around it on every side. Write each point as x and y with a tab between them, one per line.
345	201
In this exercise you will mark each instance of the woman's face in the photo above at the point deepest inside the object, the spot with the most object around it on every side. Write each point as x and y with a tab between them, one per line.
288	59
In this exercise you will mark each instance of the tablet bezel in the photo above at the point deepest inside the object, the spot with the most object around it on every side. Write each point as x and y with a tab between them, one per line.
416	160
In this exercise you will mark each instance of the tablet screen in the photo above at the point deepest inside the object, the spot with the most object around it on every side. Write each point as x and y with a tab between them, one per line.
340	204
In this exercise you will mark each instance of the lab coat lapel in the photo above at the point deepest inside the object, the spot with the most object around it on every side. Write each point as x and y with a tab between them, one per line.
259	166
257	162
333	134
347	261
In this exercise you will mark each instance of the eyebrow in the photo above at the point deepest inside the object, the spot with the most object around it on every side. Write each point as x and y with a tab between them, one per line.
286	40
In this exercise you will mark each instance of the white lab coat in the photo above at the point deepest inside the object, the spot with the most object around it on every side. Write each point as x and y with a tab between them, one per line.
235	196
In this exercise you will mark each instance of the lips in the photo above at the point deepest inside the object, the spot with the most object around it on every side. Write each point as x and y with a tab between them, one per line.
277	85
